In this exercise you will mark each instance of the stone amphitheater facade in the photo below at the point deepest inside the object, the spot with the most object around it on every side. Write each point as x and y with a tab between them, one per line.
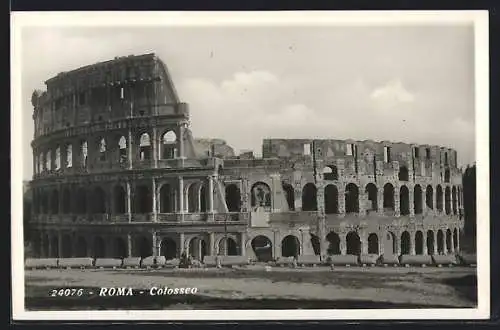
118	173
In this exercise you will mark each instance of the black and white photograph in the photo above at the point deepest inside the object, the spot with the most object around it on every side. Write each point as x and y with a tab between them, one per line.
170	166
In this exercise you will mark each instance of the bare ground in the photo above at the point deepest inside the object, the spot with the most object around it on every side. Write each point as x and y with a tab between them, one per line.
253	287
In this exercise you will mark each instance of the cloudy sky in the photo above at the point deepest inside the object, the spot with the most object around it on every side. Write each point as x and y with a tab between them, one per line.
243	84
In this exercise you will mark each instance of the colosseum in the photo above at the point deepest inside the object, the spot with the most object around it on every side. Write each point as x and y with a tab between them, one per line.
118	173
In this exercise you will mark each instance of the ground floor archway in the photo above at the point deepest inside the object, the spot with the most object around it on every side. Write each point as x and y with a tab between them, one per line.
290	246
263	248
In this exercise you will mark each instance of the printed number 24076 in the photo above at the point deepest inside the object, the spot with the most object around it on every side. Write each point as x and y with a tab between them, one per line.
66	292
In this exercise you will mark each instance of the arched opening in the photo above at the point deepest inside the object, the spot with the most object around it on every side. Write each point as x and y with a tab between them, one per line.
331	199
455	239
81	247
439	198
143	199
390	243
54	202
168	248
373	244
166	199
330	172
228	247
197	248
57	159
263	248
84	154
44	203
261	196
440	242
417	199
447	176
193	197
45	246
290	246
120	200
403	173
169	142
404	200
351	198
122	149
447	200
102	150
388	197
430	242
69	155
371	192
119	248
233	198
454	199
309	201
405	243
144	147
353	243
66	247
419	242
54	248
66	201
143	247
81	206
429	195
333	243
448	241
203	198
99	248
98	201
315	244
290	196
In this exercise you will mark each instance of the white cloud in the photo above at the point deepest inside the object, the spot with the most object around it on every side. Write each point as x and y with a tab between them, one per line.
391	95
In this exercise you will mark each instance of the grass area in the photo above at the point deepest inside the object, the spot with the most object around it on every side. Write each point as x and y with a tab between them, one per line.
258	289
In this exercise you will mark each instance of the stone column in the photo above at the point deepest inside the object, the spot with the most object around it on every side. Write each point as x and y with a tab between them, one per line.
276	244
397	210
424	200
50	249
155	147
411	201
381	239
362	198
341	200
180	195
458	241
182	243
210	194
364	243
434	200
181	141
129	201
343	244
155	207
154	239
435	245
243	237
424	243
412	243
443	201
60	244
445	246
129	245
452	247
211	245
130	149
380	201
398	244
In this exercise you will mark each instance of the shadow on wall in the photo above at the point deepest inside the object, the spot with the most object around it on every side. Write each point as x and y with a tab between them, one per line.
468	243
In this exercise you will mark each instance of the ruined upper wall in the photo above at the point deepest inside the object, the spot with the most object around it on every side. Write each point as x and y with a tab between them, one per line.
385	151
126	86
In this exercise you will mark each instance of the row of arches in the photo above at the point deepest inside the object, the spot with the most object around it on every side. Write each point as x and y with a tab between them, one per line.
117	147
330	172
352	205
420	243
